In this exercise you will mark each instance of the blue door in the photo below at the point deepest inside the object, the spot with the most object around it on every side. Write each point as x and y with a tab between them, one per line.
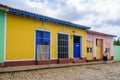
77	46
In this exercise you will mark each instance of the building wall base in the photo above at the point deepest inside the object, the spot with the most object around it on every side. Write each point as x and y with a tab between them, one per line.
19	63
64	61
79	60
1	65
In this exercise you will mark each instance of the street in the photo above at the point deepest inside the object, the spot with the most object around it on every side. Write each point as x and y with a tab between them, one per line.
108	71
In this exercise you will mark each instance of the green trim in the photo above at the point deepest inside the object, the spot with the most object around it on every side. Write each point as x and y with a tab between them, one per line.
2	25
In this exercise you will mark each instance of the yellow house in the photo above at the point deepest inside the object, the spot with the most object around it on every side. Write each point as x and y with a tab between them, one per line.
36	39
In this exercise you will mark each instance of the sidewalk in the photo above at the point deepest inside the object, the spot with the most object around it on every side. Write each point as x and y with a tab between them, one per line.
36	67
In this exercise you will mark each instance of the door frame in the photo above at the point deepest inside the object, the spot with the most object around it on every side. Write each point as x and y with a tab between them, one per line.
88	53
80	45
101	54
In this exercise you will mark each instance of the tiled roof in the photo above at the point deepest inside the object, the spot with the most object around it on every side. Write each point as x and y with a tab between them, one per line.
42	17
100	33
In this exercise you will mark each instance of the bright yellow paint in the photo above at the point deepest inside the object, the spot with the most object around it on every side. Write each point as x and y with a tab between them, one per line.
21	34
99	49
89	52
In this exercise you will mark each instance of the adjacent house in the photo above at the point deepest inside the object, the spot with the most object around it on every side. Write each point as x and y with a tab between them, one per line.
97	44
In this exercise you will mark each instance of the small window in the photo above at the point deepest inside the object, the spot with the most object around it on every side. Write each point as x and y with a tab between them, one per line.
87	49
108	50
76	39
91	50
96	42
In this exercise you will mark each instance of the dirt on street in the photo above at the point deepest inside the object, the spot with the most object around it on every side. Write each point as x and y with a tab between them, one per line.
108	71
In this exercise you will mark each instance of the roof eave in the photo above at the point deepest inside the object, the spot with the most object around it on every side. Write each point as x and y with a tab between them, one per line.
4	9
89	31
17	11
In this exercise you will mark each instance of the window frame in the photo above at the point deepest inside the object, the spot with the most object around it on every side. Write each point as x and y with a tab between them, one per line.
57	45
35	45
89	49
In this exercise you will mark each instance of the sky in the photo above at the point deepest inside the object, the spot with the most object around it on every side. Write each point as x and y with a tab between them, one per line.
100	15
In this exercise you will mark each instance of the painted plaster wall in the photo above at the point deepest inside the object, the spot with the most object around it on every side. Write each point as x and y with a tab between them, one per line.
116	52
93	37
2	25
21	37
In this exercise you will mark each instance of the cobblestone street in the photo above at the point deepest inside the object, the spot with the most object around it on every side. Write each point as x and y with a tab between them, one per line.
107	71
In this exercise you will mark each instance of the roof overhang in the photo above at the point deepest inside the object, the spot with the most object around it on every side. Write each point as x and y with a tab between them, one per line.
38	16
42	17
100	33
4	8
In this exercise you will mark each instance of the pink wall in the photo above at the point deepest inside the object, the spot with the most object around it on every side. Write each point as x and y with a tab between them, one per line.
93	37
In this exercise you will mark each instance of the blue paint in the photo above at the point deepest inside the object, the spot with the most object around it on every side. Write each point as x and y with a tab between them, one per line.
16	11
77	46
42	38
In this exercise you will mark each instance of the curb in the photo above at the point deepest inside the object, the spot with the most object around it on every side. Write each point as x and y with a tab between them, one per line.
39	67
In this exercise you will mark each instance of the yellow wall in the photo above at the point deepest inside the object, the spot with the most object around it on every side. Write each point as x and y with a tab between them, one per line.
21	33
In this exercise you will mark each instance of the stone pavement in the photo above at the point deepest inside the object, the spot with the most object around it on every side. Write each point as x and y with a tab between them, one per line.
36	67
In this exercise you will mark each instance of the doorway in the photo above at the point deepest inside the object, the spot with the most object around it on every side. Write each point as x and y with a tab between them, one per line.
99	49
77	46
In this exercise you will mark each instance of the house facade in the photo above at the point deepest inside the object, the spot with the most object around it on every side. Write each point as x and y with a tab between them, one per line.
32	39
28	39
97	44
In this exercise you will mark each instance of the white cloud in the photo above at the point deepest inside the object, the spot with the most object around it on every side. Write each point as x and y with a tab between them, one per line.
110	30
101	15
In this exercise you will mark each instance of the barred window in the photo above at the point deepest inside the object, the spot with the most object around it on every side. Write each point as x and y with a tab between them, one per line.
62	45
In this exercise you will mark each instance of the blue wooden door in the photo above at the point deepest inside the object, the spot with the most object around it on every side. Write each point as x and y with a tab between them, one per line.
77	46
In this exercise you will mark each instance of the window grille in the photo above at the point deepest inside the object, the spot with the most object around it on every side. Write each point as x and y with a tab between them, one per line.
62	45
